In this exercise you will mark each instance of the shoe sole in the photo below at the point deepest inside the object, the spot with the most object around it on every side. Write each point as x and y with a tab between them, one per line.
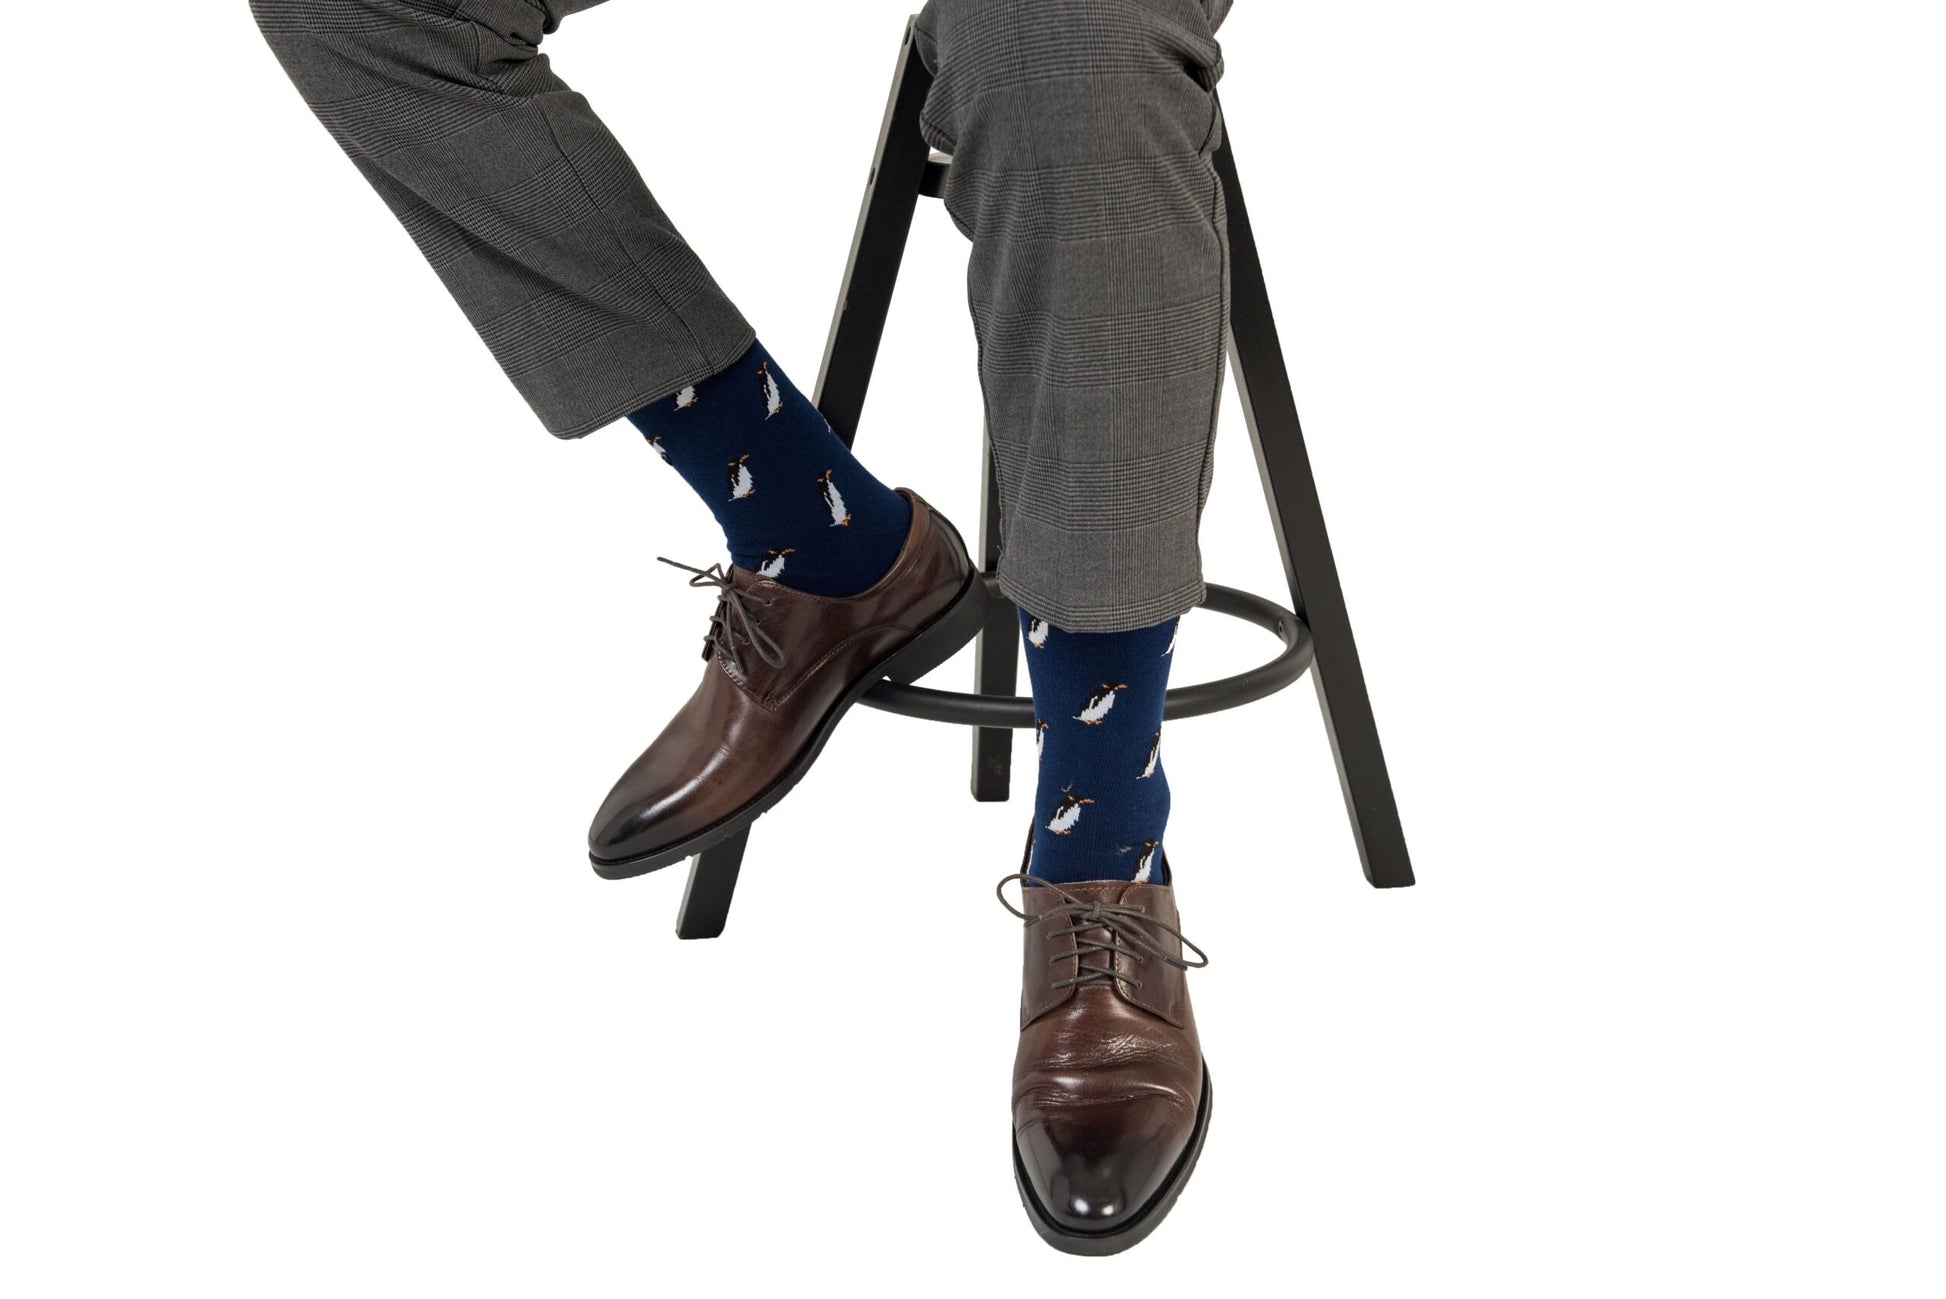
945	635
1135	1228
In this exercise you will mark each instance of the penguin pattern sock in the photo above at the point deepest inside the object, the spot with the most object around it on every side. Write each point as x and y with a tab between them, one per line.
1102	799
793	502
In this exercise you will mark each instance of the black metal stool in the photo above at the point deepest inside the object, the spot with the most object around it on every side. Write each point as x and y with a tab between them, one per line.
1317	636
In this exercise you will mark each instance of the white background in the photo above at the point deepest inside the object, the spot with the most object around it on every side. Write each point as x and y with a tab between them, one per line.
1617	334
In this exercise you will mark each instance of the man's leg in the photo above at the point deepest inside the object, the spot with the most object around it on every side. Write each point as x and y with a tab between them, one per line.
517	193
539	224
1082	133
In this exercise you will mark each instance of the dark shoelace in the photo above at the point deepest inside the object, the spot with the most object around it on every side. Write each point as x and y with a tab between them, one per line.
1121	922
731	623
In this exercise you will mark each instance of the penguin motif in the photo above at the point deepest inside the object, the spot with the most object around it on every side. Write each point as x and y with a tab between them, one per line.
1173	633
840	516
773	396
1066	814
1155	755
655	445
773	565
1148	860
1037	632
741	483
1098	704
1040	736
686	398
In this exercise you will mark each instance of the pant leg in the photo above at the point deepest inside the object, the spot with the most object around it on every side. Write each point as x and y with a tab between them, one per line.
1082	133
521	199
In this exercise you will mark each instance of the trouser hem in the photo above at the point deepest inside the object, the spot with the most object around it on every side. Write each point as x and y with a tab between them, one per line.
1126	615
612	411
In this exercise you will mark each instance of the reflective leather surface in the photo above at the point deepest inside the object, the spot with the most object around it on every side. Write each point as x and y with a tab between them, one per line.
1107	1075
748	721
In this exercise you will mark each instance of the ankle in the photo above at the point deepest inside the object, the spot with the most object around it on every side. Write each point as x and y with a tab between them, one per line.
795	505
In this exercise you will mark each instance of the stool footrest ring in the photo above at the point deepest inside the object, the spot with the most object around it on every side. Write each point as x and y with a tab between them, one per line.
965	709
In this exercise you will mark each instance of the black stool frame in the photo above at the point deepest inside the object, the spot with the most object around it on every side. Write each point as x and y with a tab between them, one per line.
1317	636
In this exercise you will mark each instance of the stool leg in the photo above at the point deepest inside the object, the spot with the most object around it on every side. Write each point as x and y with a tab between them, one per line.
877	248
1270	411
996	656
712	883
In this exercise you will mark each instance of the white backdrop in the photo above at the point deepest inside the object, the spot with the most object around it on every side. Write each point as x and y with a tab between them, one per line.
1617	334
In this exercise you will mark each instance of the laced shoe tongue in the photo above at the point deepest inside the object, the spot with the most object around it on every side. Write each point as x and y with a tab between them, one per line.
1103	927
1098	941
732	624
718	627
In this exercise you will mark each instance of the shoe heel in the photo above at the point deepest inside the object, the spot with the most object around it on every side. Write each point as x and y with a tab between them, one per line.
944	636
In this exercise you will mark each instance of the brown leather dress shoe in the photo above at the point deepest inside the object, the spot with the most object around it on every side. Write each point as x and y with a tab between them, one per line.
784	666
1111	1095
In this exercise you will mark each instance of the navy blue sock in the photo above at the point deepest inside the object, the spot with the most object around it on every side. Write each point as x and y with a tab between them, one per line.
1103	799
793	501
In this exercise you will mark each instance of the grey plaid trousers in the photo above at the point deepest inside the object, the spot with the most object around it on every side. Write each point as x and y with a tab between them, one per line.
1081	133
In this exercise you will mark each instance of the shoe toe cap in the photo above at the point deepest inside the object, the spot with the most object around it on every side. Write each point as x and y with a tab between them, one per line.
1091	1172
649	809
